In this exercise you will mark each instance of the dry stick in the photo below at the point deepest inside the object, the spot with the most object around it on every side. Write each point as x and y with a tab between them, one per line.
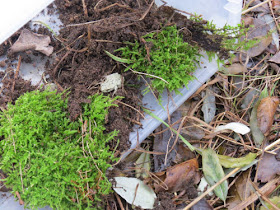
19	198
272	145
266	190
254	7
151	75
147	11
112	5
16	74
275	21
119	201
195	201
131	108
56	67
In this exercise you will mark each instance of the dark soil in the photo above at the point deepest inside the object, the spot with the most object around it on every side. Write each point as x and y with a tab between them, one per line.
81	63
12	87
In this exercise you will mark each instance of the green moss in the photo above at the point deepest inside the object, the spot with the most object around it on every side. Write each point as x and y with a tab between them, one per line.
169	58
52	161
169	62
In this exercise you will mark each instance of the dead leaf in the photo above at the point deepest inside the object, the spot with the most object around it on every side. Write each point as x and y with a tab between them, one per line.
265	113
209	105
165	141
275	58
241	190
235	68
276	5
202	205
179	176
259	31
213	172
31	41
247	20
143	165
135	192
268	168
183	153
256	132
190	131
234	126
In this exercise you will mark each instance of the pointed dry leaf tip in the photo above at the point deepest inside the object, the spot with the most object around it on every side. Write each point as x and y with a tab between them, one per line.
213	172
135	192
265	113
234	126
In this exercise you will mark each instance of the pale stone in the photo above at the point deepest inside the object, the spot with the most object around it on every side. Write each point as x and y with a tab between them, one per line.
112	82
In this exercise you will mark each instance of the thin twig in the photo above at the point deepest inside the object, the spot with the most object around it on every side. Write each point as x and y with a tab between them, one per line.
147	11
195	201
119	201
254	7
131	108
137	72
17	72
266	190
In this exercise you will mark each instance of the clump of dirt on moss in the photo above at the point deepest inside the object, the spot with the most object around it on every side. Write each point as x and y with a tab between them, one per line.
81	62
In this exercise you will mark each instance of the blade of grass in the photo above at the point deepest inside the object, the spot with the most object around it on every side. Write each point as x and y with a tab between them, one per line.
122	60
176	132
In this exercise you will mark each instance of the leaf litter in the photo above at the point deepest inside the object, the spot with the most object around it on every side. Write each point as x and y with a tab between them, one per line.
235	91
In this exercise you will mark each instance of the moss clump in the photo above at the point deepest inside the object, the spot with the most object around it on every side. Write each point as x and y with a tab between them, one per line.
168	57
52	161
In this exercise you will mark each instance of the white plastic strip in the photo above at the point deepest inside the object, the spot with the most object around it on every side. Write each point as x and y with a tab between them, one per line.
15	13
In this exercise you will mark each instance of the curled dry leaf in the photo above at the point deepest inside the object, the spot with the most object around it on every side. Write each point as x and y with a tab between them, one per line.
234	126
180	176
265	113
31	41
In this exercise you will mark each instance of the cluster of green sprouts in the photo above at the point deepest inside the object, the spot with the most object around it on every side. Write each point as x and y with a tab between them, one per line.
52	161
169	61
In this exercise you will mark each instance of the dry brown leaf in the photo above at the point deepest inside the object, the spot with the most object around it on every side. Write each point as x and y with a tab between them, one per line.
183	153
268	168
265	113
31	41
275	58
276	5
202	205
259	31
236	68
179	176
247	20
241	190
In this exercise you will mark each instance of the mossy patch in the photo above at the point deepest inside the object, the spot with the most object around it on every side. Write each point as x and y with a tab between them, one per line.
52	161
